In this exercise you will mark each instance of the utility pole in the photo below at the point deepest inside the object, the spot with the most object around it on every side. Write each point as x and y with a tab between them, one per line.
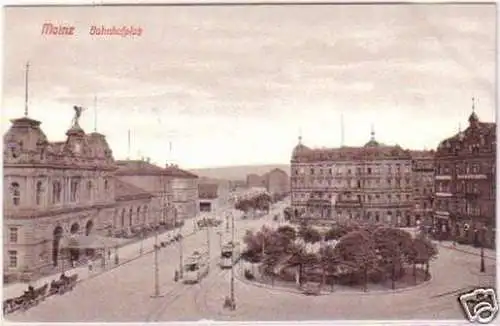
157	270
233	302
208	245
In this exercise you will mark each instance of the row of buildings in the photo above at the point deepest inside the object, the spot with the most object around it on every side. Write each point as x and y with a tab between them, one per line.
276	182
55	190
452	188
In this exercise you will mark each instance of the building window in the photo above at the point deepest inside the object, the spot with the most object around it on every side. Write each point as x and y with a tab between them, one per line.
56	192
369	170
312	171
12	259
74	190
38	193
16	193
89	189
13	235
106	185
330	171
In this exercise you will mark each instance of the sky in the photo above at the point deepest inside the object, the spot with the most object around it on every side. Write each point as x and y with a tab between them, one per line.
229	85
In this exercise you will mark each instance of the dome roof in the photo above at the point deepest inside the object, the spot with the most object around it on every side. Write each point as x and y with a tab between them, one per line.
24	136
372	143
473	117
300	149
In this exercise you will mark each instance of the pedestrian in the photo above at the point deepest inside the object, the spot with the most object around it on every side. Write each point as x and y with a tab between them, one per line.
176	276
90	265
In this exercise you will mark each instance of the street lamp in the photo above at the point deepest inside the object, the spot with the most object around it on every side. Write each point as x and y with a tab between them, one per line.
482	268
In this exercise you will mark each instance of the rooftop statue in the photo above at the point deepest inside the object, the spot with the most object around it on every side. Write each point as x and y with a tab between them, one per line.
78	114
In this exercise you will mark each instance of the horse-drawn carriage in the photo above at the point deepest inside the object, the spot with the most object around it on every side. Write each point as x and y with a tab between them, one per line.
63	285
33	296
30	298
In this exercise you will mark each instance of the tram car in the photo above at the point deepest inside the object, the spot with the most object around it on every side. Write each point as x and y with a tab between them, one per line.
195	268
227	252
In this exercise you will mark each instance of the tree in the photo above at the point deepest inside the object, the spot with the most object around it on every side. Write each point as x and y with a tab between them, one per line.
309	234
393	247
334	233
288	213
288	232
357	254
329	262
423	251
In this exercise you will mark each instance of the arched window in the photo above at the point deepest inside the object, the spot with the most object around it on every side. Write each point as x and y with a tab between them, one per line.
106	185
56	192
16	193
38	192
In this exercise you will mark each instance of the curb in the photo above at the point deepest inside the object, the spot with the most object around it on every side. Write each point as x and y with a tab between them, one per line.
466	251
326	293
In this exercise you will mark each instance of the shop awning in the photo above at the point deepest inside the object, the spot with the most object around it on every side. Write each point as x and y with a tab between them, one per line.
90	242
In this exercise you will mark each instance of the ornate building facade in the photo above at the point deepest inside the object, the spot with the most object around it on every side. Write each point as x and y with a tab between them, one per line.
53	190
422	166
370	183
59	190
465	182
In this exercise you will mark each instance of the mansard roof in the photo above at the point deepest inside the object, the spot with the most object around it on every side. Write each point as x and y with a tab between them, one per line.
26	143
370	152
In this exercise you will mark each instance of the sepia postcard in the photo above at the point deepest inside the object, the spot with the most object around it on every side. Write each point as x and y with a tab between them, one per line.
244	162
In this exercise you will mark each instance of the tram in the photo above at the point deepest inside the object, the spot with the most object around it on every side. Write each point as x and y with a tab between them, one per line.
227	252
195	267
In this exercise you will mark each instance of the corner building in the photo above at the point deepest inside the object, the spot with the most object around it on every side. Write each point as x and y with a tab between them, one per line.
372	183
465	183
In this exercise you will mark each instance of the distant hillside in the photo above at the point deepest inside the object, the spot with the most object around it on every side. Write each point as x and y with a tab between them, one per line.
238	172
